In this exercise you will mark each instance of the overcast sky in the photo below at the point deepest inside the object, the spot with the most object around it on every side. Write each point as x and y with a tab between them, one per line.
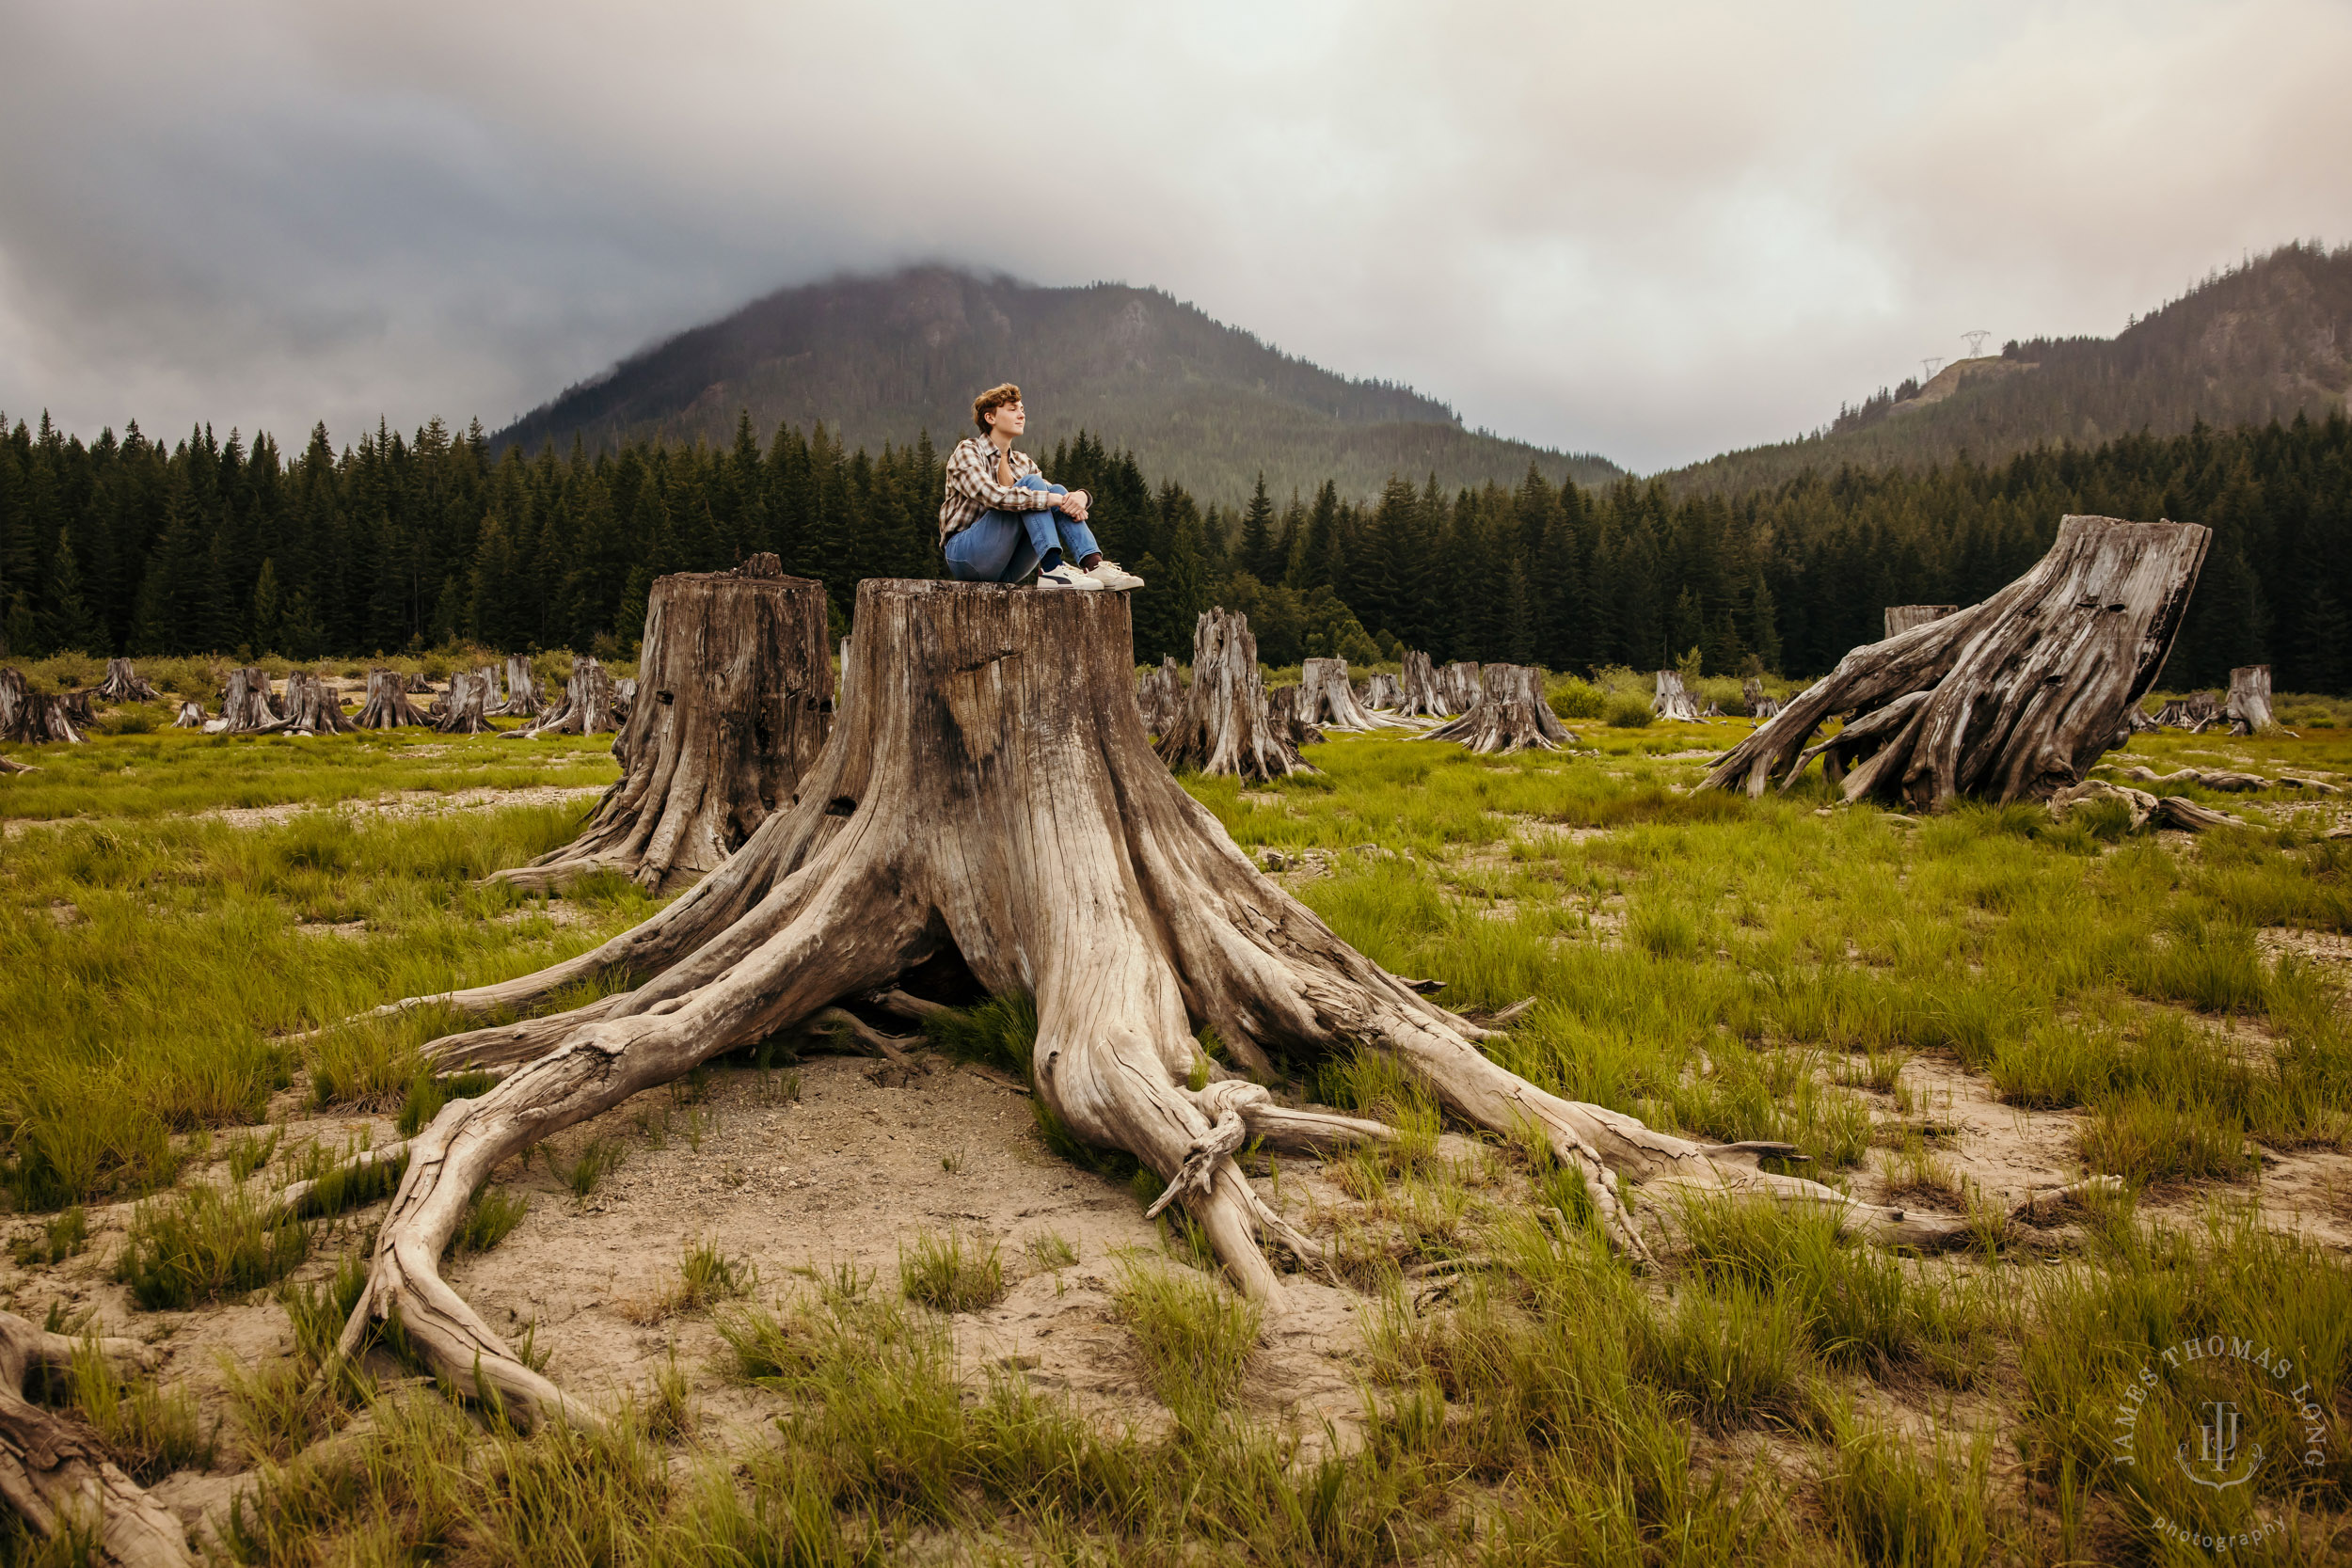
1652	230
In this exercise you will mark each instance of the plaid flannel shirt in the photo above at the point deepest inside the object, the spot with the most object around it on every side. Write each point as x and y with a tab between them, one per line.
972	486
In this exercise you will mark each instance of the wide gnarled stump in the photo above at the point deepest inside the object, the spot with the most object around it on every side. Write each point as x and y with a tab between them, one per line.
2011	699
1224	724
1901	618
125	685
992	794
1283	706
56	1475
739	686
1511	715
388	706
1753	697
1419	696
1672	701
2247	705
1381	693
1327	700
2196	713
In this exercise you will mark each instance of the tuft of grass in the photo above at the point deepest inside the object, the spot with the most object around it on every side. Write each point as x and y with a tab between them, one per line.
150	1432
1887	1505
1050	1250
490	1219
1630	713
54	1242
1732	1353
428	1094
1193	1334
191	1248
598	1158
950	1273
250	1152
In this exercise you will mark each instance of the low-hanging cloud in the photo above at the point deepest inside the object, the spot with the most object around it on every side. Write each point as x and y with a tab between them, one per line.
1650	231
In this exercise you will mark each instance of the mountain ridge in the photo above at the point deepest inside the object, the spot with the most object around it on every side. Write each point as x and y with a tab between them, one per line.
2264	341
884	357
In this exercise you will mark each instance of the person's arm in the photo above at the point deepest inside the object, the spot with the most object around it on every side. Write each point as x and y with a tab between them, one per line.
973	472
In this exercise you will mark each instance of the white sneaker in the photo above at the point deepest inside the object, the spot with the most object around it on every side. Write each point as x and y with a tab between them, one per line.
1111	575
1066	576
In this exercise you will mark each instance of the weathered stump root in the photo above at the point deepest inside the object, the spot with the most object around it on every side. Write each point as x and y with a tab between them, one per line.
55	1474
992	793
1511	715
1222	723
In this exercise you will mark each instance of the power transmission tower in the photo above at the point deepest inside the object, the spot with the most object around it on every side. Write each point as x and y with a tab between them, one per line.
1927	369
1976	342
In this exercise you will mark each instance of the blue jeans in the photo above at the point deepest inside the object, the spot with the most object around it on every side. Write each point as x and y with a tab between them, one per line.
1004	546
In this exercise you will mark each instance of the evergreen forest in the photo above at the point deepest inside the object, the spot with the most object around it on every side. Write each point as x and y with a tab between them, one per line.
125	544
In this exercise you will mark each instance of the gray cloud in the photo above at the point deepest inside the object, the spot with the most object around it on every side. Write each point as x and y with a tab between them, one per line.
1652	231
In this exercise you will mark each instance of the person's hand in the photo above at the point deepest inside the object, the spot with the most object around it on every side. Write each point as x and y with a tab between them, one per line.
1075	504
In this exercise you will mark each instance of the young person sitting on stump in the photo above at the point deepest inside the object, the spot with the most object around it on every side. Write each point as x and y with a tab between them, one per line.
1001	516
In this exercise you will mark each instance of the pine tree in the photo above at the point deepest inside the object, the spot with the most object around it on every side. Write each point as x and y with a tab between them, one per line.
1257	537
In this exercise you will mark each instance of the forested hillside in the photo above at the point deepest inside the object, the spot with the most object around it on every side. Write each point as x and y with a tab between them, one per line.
888	360
2264	342
128	545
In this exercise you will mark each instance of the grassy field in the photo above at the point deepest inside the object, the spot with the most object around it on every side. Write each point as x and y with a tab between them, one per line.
1942	1012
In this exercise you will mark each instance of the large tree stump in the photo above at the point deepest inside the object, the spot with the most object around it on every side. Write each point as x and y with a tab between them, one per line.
55	1472
493	689
992	799
246	707
312	708
125	685
1160	693
1223	723
2011	699
2247	706
1381	693
1327	700
1458	682
33	718
1901	618
1752	696
525	697
1511	715
738	696
1420	695
388	706
467	709
1672	701
587	706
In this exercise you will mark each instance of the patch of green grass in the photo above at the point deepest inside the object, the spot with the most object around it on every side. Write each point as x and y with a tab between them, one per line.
1733	1353
61	1237
598	1158
1885	1503
428	1094
150	1432
952	1272
1193	1334
199	1245
490	1219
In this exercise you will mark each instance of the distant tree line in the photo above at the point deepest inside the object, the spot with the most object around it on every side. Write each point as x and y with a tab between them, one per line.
125	545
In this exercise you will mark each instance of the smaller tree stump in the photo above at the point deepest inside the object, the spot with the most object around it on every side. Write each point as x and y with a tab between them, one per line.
1900	618
1325	699
388	706
1382	693
467	712
125	685
587	706
246	707
1672	700
1284	703
1160	693
1759	704
1511	715
191	717
1458	683
525	697
2247	705
1224	724
32	717
737	702
2196	713
1419	695
312	708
